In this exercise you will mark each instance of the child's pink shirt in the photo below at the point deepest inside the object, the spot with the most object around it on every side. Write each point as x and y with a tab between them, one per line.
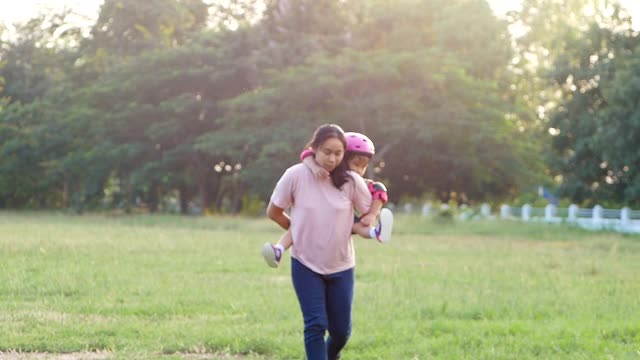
321	217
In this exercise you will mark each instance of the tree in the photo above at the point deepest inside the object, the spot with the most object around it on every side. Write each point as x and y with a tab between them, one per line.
128	27
37	62
585	60
156	107
38	57
155	103
619	124
408	90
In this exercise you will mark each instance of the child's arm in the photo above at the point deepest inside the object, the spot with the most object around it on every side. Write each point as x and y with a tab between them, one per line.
380	197
308	159
370	217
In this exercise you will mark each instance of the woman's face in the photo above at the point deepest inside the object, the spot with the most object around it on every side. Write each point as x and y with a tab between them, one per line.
329	154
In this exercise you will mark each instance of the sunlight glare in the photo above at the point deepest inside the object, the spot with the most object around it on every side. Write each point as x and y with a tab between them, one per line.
25	9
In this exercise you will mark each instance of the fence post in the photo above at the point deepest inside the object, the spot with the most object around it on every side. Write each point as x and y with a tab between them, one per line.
426	209
597	214
485	210
573	212
625	215
408	208
549	211
526	212
505	211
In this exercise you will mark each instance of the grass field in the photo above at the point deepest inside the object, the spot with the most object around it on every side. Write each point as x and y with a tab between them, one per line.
169	287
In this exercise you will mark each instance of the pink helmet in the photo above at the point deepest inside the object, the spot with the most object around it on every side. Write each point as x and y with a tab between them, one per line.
359	143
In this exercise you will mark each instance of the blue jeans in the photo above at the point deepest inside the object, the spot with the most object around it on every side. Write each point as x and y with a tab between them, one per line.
325	301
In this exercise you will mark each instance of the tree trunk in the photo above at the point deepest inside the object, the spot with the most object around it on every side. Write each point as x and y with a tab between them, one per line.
207	191
183	194
236	205
154	198
65	194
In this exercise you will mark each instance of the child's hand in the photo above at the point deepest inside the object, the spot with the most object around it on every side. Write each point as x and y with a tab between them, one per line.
319	172
368	219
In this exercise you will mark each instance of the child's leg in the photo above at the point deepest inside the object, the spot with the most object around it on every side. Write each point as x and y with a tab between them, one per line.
285	240
384	226
273	253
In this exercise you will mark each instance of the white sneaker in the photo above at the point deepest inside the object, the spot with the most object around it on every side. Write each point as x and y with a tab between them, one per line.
384	226
271	255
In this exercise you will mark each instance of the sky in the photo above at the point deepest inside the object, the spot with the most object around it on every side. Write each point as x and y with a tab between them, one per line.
20	10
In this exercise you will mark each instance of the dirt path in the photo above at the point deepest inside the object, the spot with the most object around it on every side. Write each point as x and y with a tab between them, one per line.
50	356
104	356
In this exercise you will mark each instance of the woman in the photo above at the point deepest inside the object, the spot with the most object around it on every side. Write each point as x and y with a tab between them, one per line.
322	256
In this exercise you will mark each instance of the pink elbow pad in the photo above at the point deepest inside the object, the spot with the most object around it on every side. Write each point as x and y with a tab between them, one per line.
381	195
378	191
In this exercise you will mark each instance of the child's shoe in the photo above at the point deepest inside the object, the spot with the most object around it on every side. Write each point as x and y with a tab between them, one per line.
271	255
385	225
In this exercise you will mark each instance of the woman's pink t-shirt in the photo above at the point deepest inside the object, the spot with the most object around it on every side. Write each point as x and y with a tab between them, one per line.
321	217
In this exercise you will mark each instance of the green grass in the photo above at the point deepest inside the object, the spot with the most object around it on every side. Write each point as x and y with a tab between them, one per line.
146	287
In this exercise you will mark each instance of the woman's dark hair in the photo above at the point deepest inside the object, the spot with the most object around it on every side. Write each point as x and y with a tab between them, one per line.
339	175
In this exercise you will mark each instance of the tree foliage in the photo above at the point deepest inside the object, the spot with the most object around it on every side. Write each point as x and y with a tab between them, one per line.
580	79
206	104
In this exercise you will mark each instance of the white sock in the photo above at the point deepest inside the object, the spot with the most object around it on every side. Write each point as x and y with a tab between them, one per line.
279	246
372	233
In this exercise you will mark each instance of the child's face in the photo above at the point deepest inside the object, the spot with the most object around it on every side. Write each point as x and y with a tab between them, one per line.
359	163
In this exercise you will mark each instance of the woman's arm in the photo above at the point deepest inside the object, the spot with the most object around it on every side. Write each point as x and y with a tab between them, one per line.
278	215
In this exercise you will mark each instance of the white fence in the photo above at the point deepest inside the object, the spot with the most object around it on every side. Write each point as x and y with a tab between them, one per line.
598	218
620	220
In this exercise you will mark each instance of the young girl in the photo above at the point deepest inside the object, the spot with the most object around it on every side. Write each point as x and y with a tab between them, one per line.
359	151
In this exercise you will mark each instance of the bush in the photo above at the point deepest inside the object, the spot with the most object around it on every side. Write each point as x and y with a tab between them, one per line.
252	205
